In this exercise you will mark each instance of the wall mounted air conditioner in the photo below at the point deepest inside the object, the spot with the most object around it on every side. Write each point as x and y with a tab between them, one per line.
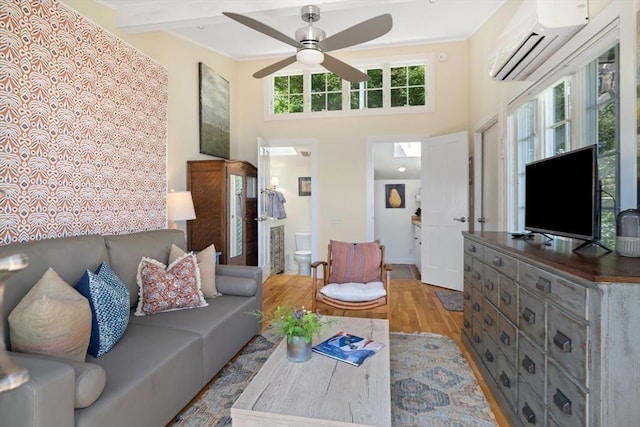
537	29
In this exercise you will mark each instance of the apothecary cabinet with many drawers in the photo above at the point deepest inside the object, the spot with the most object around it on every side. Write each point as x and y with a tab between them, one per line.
555	333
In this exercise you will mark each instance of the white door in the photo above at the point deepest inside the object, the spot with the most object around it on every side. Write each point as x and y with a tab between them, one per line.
445	198
264	231
486	166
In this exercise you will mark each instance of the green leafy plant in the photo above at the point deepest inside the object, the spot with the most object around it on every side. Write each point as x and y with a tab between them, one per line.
294	322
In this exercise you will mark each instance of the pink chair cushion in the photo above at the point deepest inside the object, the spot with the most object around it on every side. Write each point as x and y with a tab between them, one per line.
355	262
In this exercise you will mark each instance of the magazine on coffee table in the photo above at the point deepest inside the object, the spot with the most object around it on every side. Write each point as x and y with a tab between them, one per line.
348	348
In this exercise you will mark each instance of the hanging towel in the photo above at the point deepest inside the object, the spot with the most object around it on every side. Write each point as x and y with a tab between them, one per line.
275	205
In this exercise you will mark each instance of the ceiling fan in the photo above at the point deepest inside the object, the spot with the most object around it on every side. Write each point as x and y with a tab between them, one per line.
312	44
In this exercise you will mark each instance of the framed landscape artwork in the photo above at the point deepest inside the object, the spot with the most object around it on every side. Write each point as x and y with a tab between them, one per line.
214	113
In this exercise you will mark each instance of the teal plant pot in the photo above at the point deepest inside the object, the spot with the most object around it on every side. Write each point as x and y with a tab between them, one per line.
297	350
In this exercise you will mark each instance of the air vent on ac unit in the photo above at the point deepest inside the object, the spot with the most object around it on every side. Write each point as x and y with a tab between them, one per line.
537	30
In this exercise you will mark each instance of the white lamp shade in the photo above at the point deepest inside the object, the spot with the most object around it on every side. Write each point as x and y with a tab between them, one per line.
310	56
180	206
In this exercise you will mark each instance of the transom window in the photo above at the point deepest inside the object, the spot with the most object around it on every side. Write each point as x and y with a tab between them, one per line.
401	87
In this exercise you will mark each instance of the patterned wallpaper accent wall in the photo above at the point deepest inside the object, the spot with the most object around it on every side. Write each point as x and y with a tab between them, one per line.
83	127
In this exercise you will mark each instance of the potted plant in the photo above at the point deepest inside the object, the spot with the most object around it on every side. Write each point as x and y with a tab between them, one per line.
298	325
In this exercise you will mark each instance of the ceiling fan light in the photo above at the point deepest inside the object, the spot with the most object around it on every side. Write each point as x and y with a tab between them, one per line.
310	56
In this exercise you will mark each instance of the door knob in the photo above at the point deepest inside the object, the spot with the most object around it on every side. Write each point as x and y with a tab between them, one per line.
482	219
461	219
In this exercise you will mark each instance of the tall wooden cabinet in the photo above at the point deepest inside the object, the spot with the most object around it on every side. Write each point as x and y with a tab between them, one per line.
553	332
225	200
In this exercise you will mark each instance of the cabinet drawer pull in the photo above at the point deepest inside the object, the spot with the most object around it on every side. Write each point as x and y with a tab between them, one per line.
497	261
488	320
529	316
504	337
506	297
562	402
476	275
562	341
528	413
467	324
476	307
504	379
543	285
529	365
467	268
488	356
471	248
476	338
489	285
467	296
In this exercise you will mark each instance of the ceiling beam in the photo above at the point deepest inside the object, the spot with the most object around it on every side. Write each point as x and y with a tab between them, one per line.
163	15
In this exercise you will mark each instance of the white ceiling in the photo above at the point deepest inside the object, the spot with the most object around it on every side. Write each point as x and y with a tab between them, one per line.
202	22
414	21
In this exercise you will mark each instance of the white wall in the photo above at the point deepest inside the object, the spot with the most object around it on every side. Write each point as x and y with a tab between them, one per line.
393	226
288	169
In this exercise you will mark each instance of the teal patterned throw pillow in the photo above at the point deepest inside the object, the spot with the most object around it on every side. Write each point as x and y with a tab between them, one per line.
109	301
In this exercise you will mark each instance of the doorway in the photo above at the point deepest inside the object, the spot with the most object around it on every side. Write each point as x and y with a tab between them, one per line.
291	163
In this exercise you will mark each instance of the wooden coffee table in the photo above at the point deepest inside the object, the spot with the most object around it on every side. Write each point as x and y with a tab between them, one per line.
322	391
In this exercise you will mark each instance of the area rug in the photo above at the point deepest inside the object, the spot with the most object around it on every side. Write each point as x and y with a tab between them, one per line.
431	384
450	300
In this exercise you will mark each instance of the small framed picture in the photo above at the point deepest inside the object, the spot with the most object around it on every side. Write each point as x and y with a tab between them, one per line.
304	186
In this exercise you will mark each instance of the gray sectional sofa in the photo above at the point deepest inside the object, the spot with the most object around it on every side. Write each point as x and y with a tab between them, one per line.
162	361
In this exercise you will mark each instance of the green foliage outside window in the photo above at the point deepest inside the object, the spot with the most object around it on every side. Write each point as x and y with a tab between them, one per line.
367	94
288	94
408	85
326	92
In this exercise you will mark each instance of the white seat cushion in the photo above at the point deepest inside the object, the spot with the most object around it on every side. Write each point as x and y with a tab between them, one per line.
354	292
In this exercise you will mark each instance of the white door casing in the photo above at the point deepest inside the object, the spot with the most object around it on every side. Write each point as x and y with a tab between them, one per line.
264	231
445	206
486	168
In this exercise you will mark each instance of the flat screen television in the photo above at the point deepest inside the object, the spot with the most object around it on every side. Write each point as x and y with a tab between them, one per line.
562	195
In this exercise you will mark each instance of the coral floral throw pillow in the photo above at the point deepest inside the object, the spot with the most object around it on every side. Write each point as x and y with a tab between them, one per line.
168	288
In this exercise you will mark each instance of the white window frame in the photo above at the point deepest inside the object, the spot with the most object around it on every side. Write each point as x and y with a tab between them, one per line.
428	60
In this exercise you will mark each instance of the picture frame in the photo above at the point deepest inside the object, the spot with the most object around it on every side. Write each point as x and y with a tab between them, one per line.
304	186
215	135
394	196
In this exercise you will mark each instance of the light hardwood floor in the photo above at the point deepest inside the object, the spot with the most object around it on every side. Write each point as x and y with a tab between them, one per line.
414	308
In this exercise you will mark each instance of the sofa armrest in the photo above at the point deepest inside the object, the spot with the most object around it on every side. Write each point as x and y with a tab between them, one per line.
239	280
47	399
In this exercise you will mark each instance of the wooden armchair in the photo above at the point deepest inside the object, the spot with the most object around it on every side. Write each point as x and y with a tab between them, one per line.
354	277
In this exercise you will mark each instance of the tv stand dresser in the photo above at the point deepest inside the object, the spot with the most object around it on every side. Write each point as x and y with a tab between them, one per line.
555	333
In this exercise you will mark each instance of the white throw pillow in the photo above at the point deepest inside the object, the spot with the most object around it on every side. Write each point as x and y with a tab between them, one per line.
354	292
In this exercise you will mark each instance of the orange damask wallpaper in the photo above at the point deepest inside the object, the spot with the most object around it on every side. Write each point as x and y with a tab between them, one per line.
83	127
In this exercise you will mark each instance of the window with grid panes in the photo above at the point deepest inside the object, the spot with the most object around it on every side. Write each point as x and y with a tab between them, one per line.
326	92
367	94
408	85
288	94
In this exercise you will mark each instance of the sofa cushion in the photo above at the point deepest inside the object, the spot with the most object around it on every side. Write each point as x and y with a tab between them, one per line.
175	287
109	301
355	262
52	319
207	266
354	292
126	250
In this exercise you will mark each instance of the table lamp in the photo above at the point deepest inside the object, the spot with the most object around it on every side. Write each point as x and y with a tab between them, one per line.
179	207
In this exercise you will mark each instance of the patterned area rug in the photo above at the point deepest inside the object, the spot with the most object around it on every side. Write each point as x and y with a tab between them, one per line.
431	385
450	300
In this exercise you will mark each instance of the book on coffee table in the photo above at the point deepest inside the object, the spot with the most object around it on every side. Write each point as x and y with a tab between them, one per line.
348	348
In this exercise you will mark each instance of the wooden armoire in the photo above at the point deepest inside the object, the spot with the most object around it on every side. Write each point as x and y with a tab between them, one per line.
225	199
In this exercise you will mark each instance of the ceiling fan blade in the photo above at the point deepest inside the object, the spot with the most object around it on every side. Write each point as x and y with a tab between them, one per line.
262	28
359	33
274	67
345	71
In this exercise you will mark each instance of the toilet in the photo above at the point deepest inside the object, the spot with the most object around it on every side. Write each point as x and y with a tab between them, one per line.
302	255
